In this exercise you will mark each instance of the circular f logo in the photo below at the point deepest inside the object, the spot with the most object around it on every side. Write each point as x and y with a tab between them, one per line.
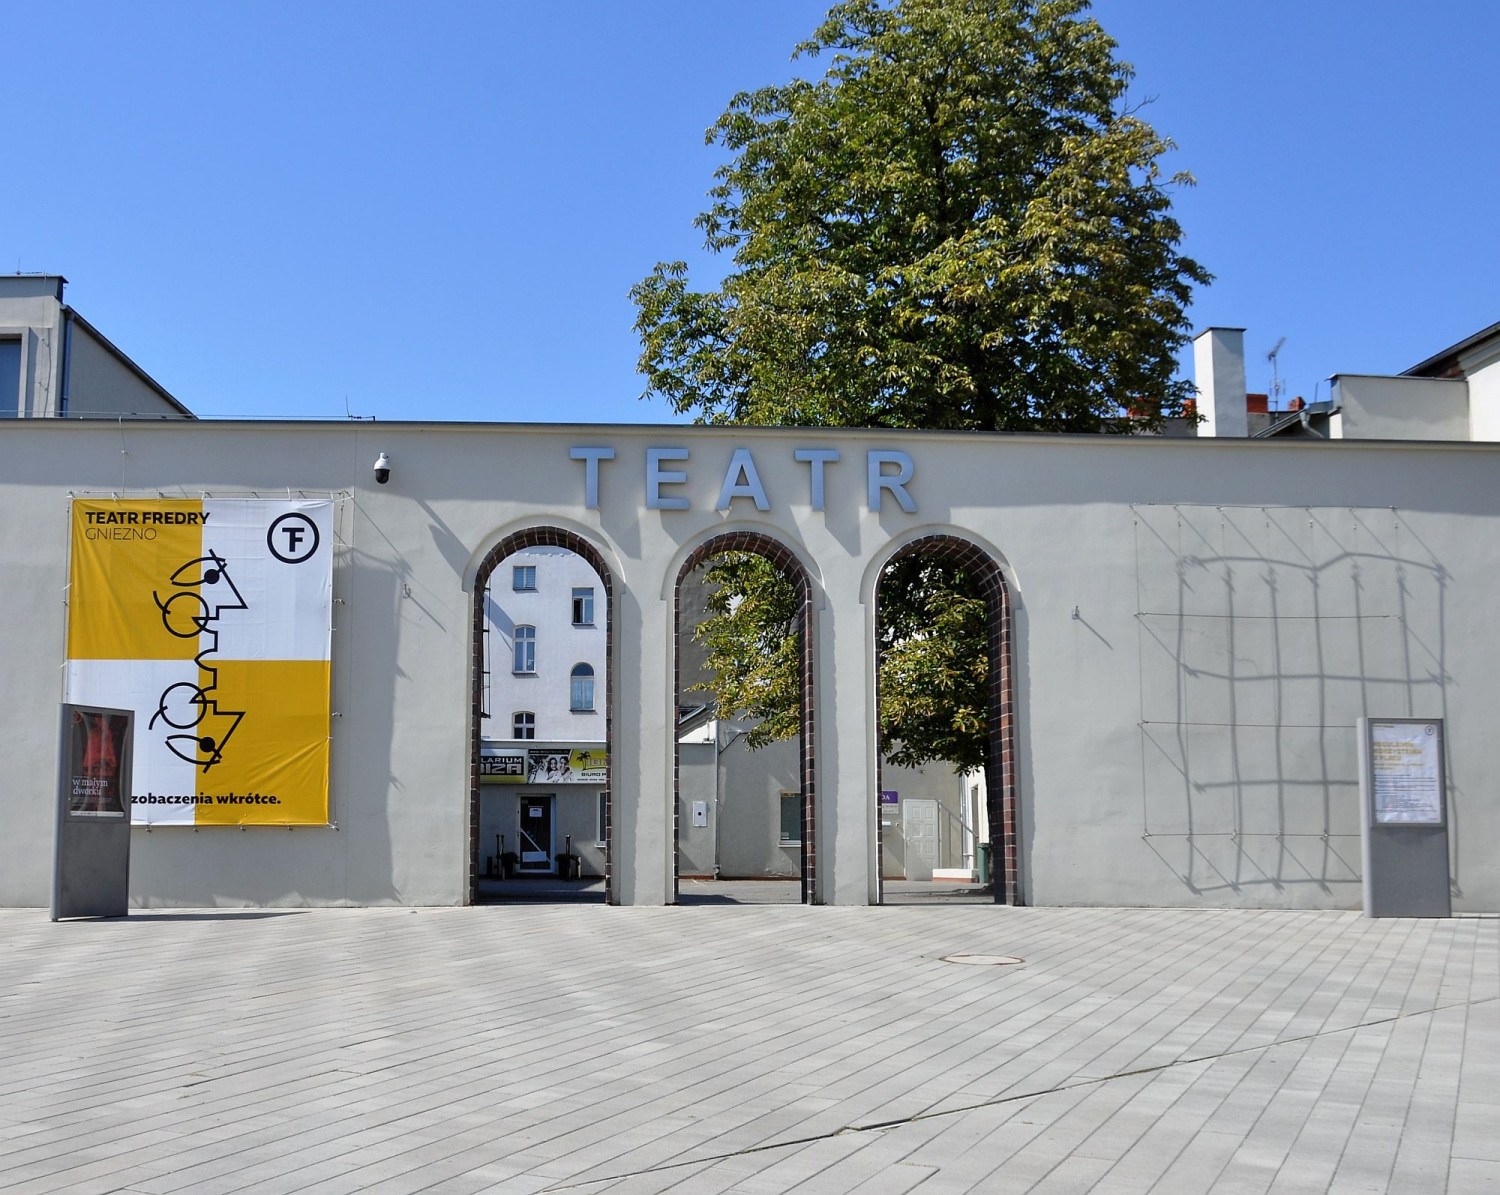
292	538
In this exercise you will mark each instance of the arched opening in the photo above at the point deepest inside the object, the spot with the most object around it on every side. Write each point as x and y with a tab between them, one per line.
541	812
978	810
766	825
581	689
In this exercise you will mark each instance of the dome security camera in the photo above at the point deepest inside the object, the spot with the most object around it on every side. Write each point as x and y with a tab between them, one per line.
382	469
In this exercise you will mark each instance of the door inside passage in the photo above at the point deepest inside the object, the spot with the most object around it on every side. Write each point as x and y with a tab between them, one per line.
536	833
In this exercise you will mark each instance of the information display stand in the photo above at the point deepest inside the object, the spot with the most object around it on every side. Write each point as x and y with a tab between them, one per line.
1404	827
91	855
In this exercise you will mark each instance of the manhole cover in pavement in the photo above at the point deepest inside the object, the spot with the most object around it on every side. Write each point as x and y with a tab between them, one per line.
983	960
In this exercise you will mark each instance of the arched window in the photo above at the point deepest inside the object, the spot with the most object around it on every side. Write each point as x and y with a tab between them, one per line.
523	725
583	688
525	649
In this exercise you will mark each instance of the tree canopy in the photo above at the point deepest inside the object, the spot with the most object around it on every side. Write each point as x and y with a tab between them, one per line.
959	225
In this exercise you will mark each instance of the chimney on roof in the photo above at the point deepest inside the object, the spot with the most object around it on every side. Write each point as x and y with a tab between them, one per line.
1219	363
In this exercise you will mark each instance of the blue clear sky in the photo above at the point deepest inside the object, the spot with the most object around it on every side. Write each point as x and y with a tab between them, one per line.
437	210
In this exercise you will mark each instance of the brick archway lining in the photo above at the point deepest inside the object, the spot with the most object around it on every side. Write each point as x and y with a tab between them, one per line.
786	562
540	537
1000	781
1000	764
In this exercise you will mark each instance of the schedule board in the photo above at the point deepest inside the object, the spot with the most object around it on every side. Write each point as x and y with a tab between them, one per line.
1404	829
91	848
1406	772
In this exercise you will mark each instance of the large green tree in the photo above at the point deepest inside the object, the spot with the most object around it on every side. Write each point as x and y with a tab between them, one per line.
959	225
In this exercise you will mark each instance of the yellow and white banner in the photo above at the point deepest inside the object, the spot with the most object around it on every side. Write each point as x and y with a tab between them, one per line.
211	619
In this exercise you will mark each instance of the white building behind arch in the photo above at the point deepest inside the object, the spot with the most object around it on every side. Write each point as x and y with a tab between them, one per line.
555	595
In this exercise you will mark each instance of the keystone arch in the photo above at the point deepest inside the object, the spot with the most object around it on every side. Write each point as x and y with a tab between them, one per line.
1000	758
540	537
785	560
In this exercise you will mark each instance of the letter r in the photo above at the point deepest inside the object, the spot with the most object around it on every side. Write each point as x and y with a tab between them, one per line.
895	483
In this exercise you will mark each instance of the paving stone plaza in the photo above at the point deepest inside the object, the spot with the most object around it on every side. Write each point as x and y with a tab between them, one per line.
581	1048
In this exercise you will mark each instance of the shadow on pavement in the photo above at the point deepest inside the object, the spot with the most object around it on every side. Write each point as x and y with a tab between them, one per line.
739	892
936	892
693	892
143	916
541	890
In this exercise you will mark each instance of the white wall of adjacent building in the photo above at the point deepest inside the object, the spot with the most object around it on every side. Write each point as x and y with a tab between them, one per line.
55	363
559	644
1482	370
1396	408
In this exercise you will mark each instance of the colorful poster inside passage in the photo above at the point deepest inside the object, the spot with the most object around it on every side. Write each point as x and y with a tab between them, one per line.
545	765
1405	773
211	619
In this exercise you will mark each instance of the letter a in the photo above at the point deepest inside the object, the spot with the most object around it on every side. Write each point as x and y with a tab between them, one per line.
741	480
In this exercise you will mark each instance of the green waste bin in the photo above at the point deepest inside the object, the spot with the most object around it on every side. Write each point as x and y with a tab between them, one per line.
984	863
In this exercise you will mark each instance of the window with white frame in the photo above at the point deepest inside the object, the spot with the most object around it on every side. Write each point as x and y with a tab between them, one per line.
583	606
523	725
603	819
523	577
581	699
791	819
525	649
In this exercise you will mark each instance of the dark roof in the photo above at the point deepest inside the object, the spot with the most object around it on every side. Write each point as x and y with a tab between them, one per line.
1294	421
1445	364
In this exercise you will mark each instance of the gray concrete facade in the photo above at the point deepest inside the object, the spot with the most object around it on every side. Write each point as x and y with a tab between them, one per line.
1197	625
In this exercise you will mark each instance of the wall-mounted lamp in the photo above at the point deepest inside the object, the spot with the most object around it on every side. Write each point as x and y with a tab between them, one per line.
382	469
